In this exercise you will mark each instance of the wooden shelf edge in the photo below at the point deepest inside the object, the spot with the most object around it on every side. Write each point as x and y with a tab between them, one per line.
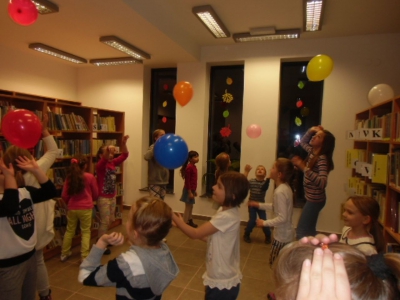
393	234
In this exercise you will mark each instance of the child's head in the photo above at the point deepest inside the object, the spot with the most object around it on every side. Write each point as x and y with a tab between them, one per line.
364	277
157	134
9	157
282	169
325	141
222	161
231	189
75	175
103	149
260	171
363	211
193	158
150	220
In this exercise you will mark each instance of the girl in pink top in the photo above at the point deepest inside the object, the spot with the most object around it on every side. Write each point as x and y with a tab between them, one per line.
79	192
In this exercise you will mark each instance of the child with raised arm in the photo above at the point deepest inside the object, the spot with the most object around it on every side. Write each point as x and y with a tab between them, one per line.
147	268
18	267
258	189
223	276
189	174
106	177
362	228
79	192
281	172
319	143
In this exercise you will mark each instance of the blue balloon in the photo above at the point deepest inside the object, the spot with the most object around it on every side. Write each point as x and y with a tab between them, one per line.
171	151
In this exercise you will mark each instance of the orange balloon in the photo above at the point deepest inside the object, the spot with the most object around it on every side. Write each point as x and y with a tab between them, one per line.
183	92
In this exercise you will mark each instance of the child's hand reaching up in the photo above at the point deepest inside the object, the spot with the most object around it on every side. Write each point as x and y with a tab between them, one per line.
27	164
114	238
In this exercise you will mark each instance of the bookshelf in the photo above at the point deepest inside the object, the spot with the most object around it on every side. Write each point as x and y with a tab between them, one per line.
375	162
77	129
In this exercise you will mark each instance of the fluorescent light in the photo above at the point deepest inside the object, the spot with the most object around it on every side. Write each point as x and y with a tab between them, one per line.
125	47
45	7
279	35
57	53
115	61
313	15
210	19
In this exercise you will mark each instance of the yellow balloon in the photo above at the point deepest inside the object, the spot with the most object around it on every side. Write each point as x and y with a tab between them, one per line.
319	67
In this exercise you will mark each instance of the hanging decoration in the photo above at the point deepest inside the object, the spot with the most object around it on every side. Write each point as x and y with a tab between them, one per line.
227	97
164	119
319	67
226	131
299	103
229	81
183	92
225	114
165	103
301	85
298	121
165	87
304	111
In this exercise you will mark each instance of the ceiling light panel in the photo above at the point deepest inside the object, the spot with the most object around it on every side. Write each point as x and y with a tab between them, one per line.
210	19
125	47
57	53
279	35
115	61
45	7
313	15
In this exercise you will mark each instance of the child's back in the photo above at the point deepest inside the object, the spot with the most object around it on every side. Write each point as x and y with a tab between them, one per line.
148	267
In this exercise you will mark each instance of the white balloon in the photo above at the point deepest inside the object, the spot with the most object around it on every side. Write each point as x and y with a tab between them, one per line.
379	93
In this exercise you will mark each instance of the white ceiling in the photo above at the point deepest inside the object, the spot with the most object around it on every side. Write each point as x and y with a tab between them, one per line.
168	30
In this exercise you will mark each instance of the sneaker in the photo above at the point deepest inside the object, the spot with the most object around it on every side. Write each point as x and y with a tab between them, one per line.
246	238
107	251
190	223
48	297
267	240
64	258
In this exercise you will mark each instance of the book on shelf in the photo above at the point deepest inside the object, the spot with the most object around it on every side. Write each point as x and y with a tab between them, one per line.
394	168
392	248
380	168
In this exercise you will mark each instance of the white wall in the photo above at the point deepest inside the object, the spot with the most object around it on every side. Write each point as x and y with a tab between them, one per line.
360	63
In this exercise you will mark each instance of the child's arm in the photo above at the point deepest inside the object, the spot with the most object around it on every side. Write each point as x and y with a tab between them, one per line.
247	169
124	152
9	205
91	271
259	205
280	210
46	161
64	193
47	190
199	233
265	186
94	188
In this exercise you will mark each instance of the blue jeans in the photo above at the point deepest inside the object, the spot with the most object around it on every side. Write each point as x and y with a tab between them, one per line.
253	212
217	294
308	220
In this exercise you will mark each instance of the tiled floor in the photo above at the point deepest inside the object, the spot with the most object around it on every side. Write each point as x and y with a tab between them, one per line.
189	254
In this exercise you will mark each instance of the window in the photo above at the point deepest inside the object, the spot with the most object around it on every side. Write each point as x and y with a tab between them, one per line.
225	118
162	107
299	109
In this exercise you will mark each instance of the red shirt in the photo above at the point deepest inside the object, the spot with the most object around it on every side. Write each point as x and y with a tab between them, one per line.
191	177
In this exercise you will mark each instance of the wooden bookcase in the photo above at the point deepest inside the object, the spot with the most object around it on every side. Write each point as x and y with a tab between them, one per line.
77	129
383	156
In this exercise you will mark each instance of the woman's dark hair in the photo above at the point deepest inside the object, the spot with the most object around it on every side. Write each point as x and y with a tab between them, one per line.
75	176
190	156
328	145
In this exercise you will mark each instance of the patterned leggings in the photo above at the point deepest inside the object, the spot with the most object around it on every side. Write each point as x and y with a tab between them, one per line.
106	207
275	249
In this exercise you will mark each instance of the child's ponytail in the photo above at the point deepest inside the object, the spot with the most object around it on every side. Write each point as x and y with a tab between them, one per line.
75	176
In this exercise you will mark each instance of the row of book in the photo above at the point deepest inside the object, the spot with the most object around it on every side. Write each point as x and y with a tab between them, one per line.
372	165
103	123
70	148
384	122
67	122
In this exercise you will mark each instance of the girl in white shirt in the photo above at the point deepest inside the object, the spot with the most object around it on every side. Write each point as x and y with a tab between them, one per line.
281	172
222	277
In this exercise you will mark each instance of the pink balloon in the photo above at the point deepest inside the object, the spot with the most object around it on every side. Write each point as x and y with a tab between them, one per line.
253	131
23	12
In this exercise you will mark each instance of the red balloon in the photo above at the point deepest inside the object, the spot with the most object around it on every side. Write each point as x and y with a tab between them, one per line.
23	12
253	131
21	128
183	92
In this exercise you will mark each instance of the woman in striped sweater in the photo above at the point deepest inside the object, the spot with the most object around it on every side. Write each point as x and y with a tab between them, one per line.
319	143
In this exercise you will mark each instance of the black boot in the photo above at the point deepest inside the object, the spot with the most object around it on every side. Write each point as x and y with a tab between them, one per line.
190	223
246	238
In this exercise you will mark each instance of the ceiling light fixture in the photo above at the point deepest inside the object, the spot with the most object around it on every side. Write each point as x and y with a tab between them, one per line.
115	61
278	35
125	47
210	19
313	14
45	7
57	53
